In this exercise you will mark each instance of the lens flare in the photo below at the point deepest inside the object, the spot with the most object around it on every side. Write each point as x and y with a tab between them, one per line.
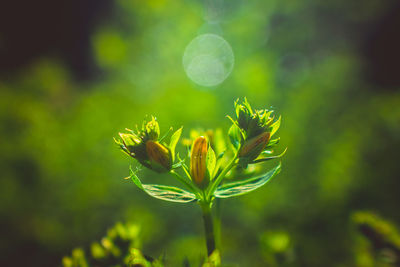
208	60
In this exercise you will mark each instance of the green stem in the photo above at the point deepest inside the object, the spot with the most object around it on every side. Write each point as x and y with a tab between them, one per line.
217	222
208	227
186	183
221	176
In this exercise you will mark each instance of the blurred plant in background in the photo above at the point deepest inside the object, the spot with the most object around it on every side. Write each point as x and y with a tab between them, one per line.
58	188
380	242
119	248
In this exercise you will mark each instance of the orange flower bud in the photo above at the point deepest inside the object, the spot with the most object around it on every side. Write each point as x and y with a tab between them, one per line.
253	147
198	164
159	156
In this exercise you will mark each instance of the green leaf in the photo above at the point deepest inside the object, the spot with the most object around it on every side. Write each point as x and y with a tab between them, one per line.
245	186
164	192
174	140
235	136
218	164
184	167
135	178
169	193
272	143
165	135
219	141
269	158
275	126
211	161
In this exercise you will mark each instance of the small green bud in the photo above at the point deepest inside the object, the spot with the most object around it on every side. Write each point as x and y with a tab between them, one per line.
159	156
143	146
252	122
254	127
152	129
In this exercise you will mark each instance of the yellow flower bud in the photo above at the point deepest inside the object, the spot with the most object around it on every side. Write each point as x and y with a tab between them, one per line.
198	164
253	147
159	156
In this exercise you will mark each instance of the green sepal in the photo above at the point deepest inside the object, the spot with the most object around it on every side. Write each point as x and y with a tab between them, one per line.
211	162
247	105
275	126
235	136
267	152
173	141
272	143
269	158
135	178
245	186
161	139
155	166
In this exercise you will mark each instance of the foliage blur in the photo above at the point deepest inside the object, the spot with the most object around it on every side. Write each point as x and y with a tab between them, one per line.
62	176
118	248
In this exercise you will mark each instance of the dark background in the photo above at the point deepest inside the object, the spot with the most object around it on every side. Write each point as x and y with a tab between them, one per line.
31	30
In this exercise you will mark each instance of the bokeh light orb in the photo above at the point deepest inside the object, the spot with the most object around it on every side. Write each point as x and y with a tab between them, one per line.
208	60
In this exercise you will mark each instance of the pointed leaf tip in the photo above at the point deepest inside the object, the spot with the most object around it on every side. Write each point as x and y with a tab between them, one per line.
246	186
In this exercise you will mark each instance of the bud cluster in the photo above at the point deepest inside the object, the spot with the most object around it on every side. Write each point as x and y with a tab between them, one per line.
144	146
209	160
256	128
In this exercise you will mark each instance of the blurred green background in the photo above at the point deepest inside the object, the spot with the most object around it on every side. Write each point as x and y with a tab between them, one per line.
329	68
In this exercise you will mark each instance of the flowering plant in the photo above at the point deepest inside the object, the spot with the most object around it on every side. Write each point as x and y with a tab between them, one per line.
210	162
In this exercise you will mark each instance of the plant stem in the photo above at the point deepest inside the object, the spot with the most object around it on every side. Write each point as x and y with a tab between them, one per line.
217	222
208	227
221	176
186	183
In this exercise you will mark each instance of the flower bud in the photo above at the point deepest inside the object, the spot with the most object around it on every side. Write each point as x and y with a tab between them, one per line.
159	156
243	117
253	147
129	139
152	129
131	144
198	164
